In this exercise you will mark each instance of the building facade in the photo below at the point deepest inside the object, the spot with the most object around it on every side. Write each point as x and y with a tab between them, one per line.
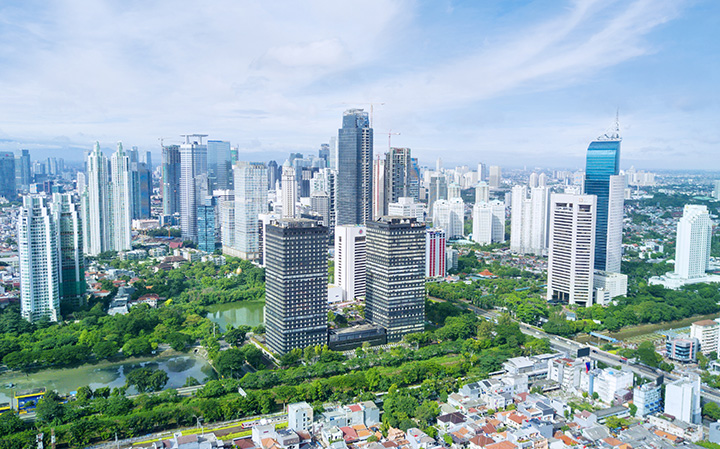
694	235
251	200
171	179
682	400
97	221
193	183
450	216
435	260
354	166
351	260
707	333
121	200
68	224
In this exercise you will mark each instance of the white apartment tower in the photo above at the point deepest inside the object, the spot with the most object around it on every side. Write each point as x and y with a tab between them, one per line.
572	249
616	204
350	260
251	200
97	202
121	200
39	261
694	232
289	190
489	222
495	177
193	173
529	220
450	216
482	192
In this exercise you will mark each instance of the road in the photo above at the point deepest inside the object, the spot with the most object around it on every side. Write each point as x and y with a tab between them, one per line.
571	346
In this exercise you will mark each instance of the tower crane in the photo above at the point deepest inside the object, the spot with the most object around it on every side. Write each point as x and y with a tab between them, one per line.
372	107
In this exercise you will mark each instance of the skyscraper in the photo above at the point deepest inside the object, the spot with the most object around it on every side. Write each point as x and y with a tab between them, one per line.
603	162
68	223
351	260
529	220
206	225
355	156
482	192
193	173
379	188
171	179
296	276
438	191
121	200
495	176
489	222
450	216
38	250
435	260
97	219
694	236
572	246
251	200
7	175
273	174
227	224
399	176
320	204
22	171
395	295
289	190
218	164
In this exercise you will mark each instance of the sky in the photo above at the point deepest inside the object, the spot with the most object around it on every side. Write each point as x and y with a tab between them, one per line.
516	83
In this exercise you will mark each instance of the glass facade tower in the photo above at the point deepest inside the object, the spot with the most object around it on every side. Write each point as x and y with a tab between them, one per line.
354	162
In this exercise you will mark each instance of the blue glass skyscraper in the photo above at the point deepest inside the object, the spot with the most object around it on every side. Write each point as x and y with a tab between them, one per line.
354	165
603	162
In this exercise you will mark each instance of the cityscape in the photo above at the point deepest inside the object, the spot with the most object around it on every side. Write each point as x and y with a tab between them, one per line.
353	292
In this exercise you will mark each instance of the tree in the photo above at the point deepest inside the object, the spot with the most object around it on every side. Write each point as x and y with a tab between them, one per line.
146	379
136	347
105	349
229	363
633	410
10	423
50	409
711	410
448	439
595	395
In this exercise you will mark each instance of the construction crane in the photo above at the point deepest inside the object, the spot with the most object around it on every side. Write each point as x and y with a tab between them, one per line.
390	134
372	107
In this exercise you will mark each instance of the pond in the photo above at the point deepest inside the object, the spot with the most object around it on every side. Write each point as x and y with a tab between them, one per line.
249	313
105	374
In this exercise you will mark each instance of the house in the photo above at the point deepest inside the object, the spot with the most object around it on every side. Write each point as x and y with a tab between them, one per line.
330	434
444	422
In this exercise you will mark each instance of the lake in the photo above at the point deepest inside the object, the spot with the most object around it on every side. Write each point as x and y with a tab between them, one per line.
249	313
105	374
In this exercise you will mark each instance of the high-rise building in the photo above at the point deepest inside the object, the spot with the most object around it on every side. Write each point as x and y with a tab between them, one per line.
694	235
438	191
68	224
22	171
379	188
648	399
296	273
38	251
400	177
273	174
218	165
80	182
227	224
603	163
435	260
7	175
289	190
350	260
121	200
97	220
489	222
354	165
320	204
324	153
482	171
171	179
482	192
206	225
407	207
716	189
682	400
572	245
529	220
395	296
450	216
251	200
495	176
533	181
707	333
193	173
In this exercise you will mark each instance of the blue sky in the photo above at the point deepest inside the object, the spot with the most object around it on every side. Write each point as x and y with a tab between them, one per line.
514	83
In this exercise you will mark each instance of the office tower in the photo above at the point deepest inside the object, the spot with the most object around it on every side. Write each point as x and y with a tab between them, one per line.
438	191
482	170
146	158
495	176
38	251
602	164
401	178
219	169
333	158
648	399
450	216
22	171
227	224
193	174
296	275
320	203
354	166
435	259
289	190
682	399
141	184
7	176
534	180
273	174
407	207
350	260
694	235
251	200
482	192
68	222
171	179
454	190
380	193
324	153
489	222
572	247
395	295
121	200
206	225
97	219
